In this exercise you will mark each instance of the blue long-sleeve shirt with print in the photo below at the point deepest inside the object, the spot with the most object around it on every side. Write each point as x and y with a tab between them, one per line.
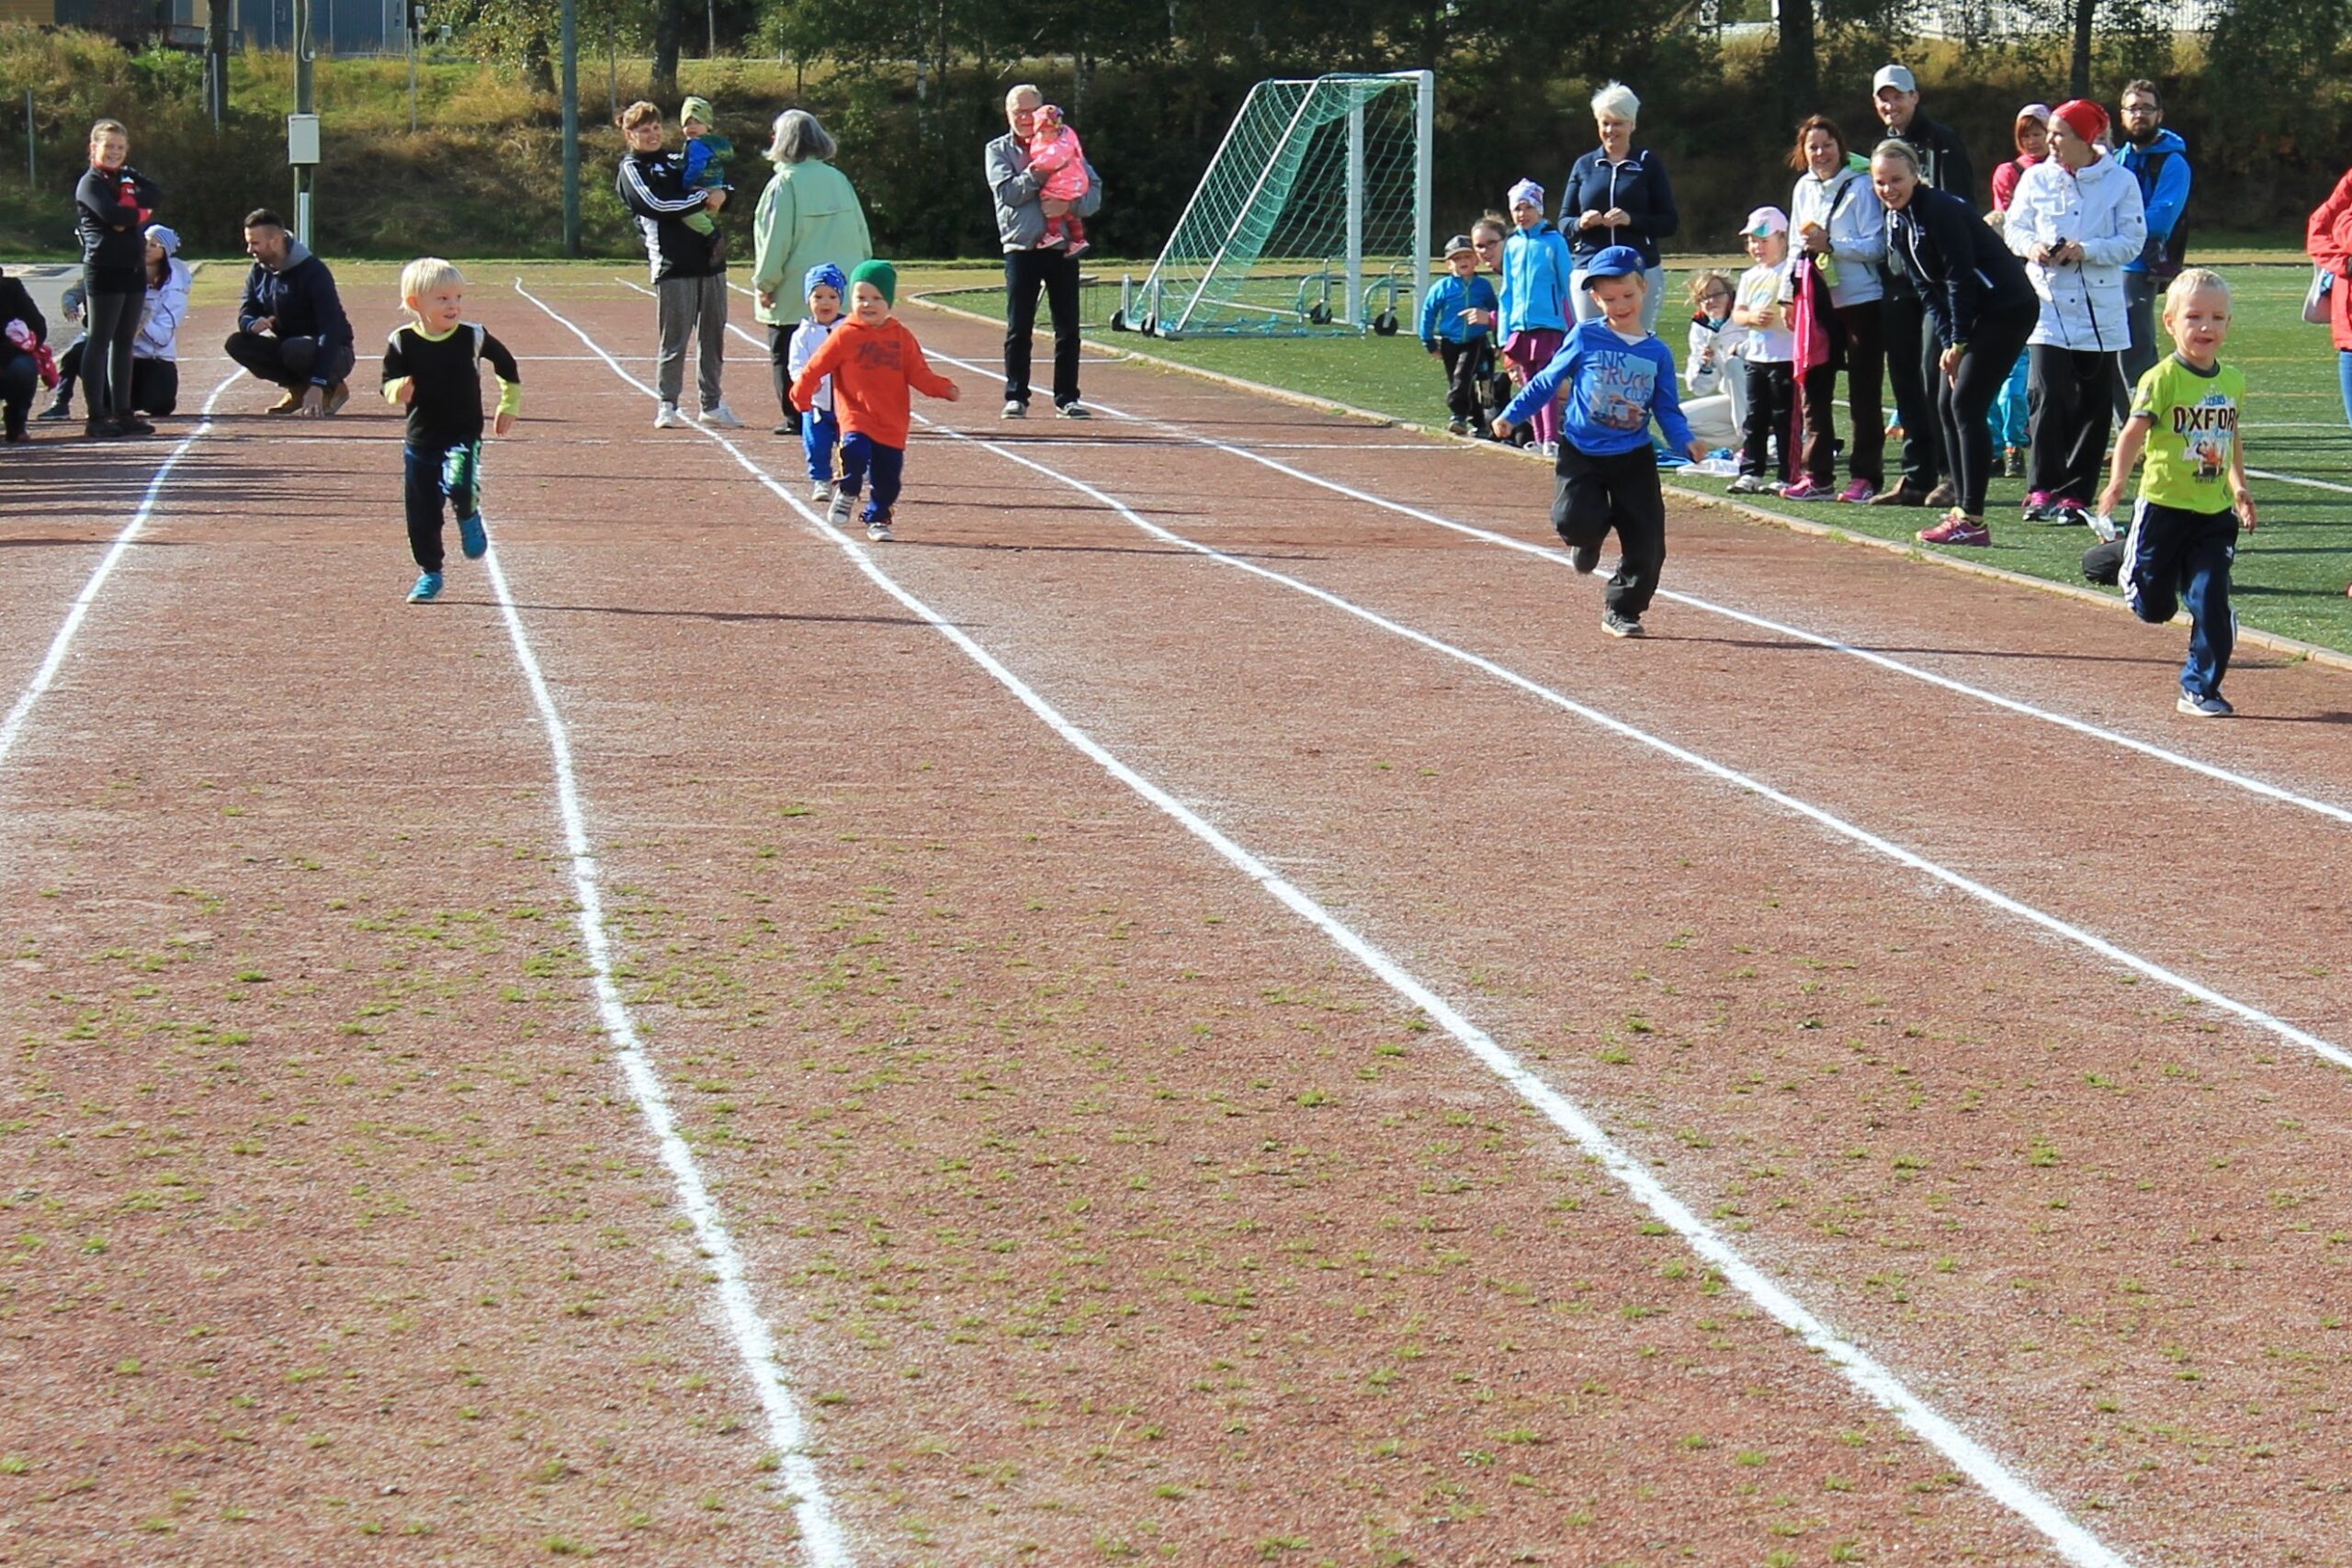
1447	298
1615	388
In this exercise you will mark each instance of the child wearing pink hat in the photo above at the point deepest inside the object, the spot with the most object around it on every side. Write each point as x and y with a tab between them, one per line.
1761	305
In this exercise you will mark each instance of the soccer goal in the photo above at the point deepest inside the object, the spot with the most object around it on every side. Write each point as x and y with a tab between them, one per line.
1312	217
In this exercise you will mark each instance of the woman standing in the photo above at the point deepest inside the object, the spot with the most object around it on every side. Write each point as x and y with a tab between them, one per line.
155	356
2077	219
1841	231
689	268
1618	195
111	206
808	215
1980	311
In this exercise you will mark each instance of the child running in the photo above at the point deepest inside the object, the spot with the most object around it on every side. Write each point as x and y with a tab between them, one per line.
872	359
823	287
1456	315
2184	534
1618	377
431	368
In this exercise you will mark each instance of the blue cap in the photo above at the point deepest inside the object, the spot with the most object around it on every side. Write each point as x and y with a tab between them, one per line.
1617	261
827	275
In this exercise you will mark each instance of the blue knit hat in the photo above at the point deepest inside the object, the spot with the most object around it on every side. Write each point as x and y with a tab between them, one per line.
824	275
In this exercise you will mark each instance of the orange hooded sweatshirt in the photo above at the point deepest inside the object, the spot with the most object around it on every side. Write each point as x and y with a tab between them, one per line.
872	367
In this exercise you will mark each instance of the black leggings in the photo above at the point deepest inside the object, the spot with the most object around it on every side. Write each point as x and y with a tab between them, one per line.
1963	401
154	383
105	363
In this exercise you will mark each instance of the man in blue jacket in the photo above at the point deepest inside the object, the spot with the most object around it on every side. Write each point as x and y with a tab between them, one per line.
290	327
2158	159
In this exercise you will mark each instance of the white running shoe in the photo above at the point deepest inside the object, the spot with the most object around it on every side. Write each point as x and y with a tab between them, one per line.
844	504
719	416
820	492
667	417
878	530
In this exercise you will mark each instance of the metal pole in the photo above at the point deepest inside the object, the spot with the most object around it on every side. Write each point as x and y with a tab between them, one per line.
571	49
32	148
1350	307
714	31
408	18
1424	180
305	102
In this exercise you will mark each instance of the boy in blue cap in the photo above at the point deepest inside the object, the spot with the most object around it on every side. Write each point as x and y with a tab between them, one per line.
824	287
1618	377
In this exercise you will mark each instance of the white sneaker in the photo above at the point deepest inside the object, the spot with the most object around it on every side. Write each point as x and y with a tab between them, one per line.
845	502
878	530
1073	410
667	417
720	416
821	492
1014	409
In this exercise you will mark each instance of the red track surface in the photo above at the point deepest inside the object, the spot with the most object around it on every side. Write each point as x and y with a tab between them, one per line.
1098	1203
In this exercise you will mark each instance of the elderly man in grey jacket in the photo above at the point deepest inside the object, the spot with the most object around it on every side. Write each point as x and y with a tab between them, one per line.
1020	214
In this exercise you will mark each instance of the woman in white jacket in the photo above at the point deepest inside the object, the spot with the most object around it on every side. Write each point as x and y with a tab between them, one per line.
1836	219
2077	217
155	351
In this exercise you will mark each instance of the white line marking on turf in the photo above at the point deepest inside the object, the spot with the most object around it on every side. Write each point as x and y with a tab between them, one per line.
46	675
1730	775
1883	1387
2245	781
820	1533
2299	480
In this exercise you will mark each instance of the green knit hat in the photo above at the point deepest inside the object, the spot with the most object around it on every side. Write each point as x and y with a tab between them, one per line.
698	108
882	275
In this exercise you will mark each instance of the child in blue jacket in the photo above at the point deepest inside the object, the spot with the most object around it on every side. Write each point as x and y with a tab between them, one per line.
1535	290
1456	319
1618	377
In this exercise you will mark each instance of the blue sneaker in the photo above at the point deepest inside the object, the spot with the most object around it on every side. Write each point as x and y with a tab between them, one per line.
472	538
427	589
2211	705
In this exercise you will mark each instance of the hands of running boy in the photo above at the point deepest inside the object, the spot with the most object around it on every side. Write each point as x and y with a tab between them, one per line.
1696	451
1501	427
502	425
2244	498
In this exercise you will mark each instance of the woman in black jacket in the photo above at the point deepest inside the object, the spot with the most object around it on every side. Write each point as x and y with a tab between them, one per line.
19	370
1980	312
111	206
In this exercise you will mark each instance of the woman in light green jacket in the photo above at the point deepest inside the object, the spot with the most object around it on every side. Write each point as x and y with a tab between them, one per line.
808	215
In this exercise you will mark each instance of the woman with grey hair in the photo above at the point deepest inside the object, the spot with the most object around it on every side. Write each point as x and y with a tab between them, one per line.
1618	195
808	215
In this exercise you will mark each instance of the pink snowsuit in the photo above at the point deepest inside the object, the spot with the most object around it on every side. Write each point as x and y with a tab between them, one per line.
1056	153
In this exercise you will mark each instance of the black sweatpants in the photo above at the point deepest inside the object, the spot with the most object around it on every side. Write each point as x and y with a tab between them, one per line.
1963	402
780	375
1026	272
433	478
1772	410
154	383
1910	375
2073	395
1464	363
18	378
293	363
1591	495
105	360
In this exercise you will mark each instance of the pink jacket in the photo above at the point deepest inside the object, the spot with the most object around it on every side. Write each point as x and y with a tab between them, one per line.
1056	153
2327	240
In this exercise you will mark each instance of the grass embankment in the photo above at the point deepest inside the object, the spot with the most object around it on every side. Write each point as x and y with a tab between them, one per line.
2290	573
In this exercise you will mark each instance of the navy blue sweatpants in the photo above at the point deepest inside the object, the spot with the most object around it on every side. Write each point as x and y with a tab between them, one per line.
860	453
436	475
2174	558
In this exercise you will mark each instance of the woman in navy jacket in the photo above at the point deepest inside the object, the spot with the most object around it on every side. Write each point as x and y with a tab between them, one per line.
1618	195
1980	312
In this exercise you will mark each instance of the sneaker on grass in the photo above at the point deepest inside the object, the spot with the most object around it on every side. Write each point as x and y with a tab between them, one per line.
472	539
1805	489
1957	529
1751	484
1619	624
1861	493
427	589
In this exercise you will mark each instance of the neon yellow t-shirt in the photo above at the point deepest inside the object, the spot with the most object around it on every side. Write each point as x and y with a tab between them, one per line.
2195	434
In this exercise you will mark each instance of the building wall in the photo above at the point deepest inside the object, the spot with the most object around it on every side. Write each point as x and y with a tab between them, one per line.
42	12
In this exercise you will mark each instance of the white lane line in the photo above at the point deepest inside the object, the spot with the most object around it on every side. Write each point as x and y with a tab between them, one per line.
1882	1386
2246	781
46	675
821	1532
2299	480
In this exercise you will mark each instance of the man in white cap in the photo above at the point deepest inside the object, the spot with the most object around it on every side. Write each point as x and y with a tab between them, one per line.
1943	164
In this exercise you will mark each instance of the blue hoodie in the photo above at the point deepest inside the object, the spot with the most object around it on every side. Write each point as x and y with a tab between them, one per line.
1638	185
1447	298
2165	196
1536	267
1615	388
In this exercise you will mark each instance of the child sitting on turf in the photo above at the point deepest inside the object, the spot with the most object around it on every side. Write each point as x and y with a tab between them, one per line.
1717	406
706	159
1768	356
1457	317
431	368
823	287
2184	534
1618	376
872	359
1055	152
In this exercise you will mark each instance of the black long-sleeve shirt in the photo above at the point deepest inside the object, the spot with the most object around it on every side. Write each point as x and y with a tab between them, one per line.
17	305
445	410
114	245
1962	267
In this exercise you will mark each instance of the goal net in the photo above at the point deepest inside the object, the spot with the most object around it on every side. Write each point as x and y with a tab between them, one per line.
1313	216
